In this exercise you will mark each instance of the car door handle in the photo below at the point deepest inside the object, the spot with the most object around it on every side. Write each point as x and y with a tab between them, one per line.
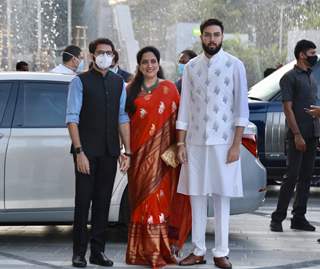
1	135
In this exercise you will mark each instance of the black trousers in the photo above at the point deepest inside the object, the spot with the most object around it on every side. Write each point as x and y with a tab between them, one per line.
300	169
95	190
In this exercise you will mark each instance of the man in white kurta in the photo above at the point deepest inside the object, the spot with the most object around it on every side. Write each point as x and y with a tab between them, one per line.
212	115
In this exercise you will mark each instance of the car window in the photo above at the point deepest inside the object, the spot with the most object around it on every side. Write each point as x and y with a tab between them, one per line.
42	105
267	88
4	97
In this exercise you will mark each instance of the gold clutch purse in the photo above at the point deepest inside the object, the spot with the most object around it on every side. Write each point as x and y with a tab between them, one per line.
169	156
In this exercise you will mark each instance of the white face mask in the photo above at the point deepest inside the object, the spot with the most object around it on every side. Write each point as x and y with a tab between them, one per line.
103	61
80	67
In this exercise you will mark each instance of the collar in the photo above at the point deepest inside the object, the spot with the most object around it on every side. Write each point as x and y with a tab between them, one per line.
300	70
68	67
96	72
116	69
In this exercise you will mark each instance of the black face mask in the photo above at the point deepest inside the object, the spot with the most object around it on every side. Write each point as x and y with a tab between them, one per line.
312	60
211	51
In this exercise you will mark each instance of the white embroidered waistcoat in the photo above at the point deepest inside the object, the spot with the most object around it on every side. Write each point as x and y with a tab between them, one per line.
214	99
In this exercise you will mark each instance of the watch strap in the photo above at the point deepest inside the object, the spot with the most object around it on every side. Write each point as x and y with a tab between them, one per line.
78	150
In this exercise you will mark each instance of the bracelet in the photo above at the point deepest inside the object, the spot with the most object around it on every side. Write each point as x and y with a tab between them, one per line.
127	154
180	144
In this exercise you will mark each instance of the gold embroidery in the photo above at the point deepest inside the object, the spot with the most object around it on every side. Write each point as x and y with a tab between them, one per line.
165	90
150	220
152	130
173	106
161	218
143	113
162	107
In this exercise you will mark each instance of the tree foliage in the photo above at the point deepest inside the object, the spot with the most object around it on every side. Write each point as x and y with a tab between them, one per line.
266	22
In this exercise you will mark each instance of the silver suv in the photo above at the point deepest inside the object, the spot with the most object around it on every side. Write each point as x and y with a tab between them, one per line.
36	168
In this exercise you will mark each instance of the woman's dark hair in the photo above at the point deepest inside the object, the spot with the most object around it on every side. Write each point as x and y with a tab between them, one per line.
134	87
115	56
190	53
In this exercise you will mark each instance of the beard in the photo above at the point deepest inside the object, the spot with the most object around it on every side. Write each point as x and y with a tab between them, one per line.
211	51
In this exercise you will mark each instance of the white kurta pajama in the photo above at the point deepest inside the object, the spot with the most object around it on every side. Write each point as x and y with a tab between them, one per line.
214	100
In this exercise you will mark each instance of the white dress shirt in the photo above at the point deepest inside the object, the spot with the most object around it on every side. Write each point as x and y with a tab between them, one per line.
62	69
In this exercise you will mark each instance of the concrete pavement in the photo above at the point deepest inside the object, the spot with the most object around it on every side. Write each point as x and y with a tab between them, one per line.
252	244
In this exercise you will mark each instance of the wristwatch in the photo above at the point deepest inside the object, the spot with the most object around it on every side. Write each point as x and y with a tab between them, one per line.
78	150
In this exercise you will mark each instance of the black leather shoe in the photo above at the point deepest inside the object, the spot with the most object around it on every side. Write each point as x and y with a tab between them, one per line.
276	226
79	261
100	259
302	225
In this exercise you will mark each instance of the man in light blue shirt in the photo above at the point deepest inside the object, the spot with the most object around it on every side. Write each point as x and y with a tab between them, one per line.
75	96
96	118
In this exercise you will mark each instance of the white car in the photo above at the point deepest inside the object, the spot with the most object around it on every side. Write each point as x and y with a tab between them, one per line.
36	169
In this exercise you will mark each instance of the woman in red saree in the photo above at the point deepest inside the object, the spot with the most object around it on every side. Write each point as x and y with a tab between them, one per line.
160	217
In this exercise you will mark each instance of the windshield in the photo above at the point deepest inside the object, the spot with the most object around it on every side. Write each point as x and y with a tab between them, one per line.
267	88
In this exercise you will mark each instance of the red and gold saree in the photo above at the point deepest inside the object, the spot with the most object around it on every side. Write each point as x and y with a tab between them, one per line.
160	217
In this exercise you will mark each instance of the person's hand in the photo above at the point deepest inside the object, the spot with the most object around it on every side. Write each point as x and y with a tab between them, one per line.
124	162
314	111
182	154
83	165
233	153
299	142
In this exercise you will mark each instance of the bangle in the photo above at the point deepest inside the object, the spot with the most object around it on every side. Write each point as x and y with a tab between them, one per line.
127	154
180	144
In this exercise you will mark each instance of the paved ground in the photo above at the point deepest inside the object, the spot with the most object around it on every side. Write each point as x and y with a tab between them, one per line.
252	244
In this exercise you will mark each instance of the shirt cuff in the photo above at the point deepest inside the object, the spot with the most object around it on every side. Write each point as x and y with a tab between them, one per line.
241	122
180	125
124	119
72	119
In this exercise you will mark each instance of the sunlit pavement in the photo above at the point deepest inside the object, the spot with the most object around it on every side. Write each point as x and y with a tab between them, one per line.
252	244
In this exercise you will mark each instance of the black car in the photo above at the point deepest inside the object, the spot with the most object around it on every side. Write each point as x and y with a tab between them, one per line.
266	113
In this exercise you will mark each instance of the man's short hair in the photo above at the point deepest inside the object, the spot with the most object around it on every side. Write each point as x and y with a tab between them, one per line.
93	45
191	54
302	46
210	22
70	52
22	66
115	56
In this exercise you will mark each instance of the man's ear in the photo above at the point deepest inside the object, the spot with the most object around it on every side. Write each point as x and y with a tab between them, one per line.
302	55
